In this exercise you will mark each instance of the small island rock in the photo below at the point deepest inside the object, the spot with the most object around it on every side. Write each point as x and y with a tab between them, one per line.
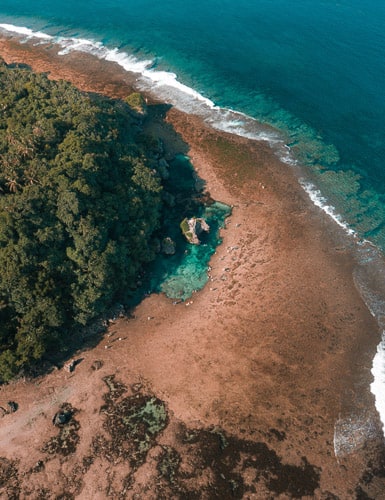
192	228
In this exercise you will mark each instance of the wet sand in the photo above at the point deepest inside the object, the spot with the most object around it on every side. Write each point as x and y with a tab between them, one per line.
256	371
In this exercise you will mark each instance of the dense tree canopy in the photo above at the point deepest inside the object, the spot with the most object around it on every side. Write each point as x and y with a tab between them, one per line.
78	206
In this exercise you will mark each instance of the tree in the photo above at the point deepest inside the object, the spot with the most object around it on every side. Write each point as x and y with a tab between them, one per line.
79	203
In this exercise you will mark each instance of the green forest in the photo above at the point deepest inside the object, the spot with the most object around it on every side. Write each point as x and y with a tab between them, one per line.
79	203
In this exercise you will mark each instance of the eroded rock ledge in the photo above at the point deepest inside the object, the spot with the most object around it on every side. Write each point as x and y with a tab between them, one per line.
192	228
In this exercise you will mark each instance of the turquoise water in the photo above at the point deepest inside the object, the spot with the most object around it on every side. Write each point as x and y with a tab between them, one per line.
182	277
181	274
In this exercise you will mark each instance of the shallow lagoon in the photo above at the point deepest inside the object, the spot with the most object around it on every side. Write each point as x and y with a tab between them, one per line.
179	275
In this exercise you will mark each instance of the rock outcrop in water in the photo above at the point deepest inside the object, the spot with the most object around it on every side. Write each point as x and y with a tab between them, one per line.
168	246
192	228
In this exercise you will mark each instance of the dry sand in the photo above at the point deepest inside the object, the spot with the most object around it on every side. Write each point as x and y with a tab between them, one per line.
255	372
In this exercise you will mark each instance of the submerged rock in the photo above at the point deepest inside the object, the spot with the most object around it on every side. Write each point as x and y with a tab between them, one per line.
168	246
163	169
192	228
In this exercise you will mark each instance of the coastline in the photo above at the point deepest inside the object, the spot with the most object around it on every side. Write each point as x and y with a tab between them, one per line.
278	339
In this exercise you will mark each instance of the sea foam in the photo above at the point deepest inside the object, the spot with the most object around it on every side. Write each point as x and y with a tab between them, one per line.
378	385
320	201
21	30
369	279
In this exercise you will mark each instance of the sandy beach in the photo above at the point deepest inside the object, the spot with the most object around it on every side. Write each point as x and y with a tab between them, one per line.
264	374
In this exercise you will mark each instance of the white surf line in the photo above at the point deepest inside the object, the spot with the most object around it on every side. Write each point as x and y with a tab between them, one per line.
22	30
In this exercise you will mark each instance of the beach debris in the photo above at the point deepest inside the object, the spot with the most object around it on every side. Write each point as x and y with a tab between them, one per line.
192	228
12	406
96	365
66	440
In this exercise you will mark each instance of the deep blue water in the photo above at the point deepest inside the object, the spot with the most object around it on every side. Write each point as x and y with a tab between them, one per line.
313	69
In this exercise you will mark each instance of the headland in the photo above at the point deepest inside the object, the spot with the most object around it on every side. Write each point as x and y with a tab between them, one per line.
256	387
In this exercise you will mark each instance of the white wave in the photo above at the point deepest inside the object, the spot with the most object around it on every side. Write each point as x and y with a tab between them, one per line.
369	279
168	79
377	387
22	30
320	201
128	62
78	44
349	433
131	64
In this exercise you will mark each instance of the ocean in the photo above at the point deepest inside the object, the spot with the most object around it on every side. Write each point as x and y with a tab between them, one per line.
308	76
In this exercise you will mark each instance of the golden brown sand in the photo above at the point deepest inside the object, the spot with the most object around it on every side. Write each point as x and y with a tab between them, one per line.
256	370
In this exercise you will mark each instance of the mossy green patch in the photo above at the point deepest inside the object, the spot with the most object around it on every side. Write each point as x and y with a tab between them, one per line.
132	423
137	102
185	228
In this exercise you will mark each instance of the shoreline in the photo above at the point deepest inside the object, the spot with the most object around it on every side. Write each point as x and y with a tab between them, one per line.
282	340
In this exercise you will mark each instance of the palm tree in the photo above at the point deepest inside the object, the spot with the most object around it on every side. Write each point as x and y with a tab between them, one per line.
12	185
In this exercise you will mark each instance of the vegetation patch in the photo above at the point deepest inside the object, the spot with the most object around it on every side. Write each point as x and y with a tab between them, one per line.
372	482
137	103
168	464
208	463
134	424
184	225
9	479
115	389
